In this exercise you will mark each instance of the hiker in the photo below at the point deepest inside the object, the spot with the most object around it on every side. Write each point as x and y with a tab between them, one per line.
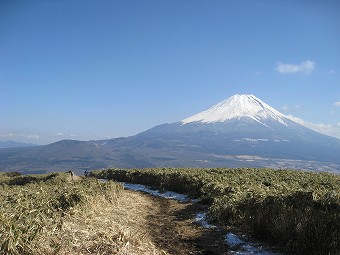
86	173
71	173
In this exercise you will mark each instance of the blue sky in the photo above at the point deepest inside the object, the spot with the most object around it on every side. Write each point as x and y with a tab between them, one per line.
77	69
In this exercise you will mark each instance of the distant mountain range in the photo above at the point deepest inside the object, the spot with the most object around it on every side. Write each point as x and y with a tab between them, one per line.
14	144
241	131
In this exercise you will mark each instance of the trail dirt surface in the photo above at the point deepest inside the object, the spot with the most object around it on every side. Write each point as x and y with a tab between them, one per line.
172	228
138	223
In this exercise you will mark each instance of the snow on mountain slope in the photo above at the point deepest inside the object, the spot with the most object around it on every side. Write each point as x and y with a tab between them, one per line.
236	107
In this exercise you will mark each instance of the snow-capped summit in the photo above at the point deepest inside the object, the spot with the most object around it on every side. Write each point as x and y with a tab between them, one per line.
237	107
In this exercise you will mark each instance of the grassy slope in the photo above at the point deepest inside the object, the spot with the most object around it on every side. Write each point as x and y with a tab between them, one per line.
50	214
296	210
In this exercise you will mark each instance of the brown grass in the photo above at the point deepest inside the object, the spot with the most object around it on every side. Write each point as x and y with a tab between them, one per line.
105	228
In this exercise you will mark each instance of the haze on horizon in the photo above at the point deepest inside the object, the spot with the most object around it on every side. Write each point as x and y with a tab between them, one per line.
89	70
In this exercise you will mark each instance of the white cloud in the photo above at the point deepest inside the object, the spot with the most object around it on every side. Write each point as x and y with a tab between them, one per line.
59	134
331	71
337	104
327	129
289	108
304	67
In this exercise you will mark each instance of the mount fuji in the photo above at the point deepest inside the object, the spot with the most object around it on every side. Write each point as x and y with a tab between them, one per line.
241	131
244	127
237	107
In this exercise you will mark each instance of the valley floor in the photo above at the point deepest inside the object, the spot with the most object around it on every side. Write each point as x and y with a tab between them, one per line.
139	223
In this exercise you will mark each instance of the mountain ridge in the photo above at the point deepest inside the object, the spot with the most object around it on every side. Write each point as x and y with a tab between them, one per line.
251	134
14	144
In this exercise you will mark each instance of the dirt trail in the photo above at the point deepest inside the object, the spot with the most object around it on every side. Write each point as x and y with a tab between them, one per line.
172	228
135	224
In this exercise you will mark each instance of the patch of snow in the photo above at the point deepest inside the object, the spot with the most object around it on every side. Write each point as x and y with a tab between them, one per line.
255	140
233	240
236	107
201	218
242	247
252	140
281	140
165	194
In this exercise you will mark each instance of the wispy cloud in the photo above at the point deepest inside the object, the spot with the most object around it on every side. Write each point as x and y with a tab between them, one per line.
290	108
32	137
41	138
18	136
327	129
337	104
305	67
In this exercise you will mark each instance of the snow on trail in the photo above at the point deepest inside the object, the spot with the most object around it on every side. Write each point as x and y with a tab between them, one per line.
154	192
242	247
237	244
201	218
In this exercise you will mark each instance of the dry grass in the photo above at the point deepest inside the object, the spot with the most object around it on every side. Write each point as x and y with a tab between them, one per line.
103	227
53	214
